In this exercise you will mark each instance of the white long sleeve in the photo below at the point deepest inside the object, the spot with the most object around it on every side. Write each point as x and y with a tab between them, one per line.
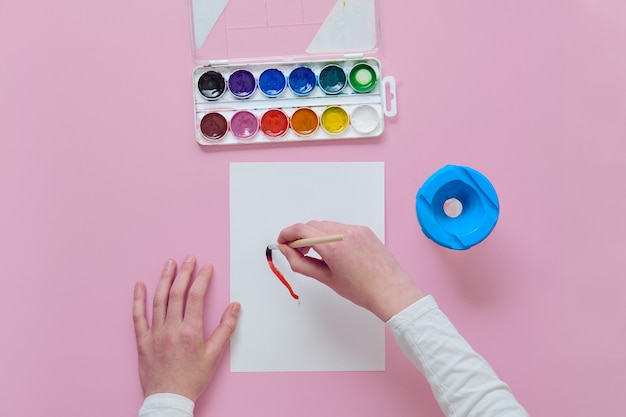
463	383
166	405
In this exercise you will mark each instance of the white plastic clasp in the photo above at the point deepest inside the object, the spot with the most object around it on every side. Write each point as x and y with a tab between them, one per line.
389	96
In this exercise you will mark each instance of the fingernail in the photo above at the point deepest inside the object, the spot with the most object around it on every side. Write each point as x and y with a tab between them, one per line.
190	258
235	308
169	264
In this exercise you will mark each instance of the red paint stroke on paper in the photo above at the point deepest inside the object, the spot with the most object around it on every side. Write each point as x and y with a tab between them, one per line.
268	255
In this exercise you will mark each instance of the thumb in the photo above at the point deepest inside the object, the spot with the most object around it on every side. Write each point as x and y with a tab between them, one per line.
222	333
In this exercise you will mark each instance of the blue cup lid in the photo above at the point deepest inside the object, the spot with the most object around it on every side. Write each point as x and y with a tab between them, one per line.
457	207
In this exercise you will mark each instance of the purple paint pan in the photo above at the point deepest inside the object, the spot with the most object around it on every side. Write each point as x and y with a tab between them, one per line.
242	83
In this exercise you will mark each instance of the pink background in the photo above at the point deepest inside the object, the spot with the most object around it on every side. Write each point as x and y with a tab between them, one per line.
102	181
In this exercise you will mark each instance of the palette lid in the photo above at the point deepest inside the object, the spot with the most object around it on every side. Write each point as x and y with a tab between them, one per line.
271	30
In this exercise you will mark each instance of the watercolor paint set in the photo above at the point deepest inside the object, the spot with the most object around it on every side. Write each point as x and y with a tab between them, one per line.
287	71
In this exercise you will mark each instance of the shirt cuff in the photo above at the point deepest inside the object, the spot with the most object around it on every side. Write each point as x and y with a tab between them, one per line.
166	405
411	313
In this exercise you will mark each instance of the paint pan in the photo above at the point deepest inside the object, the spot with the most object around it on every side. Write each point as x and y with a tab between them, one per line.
274	123
244	124
241	83
304	121
362	78
213	126
272	82
364	119
332	79
302	81
211	85
334	120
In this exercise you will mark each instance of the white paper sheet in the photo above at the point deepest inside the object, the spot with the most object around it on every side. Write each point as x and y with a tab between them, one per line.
323	331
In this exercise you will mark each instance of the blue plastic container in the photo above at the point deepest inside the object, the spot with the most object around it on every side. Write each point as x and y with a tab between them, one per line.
457	207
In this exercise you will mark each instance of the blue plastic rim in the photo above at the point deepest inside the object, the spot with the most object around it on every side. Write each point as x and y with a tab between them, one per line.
474	202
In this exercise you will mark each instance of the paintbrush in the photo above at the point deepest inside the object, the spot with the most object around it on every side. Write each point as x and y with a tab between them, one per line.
309	241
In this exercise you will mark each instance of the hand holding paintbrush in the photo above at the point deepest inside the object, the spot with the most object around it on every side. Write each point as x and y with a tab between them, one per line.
360	269
299	243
